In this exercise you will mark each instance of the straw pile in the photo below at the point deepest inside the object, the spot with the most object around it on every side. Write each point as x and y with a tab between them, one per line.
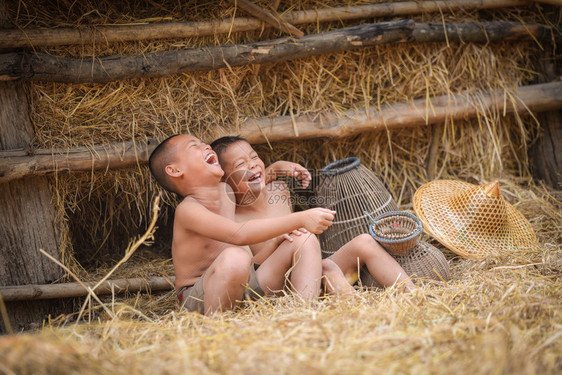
501	315
105	209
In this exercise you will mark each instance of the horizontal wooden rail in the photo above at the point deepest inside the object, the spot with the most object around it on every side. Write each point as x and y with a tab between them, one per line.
419	112
17	164
45	67
538	98
22	38
69	290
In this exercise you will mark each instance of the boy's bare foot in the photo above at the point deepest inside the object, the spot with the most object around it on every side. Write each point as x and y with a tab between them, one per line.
409	286
334	279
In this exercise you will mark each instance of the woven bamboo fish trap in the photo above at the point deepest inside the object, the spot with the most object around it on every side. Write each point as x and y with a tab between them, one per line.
354	192
397	231
423	261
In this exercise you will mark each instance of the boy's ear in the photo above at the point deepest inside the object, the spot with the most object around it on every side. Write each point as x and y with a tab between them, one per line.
173	171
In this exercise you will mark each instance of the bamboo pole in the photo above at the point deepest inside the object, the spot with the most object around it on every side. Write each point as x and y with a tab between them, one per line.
45	67
537	98
33	38
70	290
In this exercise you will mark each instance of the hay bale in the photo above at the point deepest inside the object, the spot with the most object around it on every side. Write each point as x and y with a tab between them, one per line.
106	208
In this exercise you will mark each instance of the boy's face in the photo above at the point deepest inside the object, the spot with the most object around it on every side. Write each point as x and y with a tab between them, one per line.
244	171
194	159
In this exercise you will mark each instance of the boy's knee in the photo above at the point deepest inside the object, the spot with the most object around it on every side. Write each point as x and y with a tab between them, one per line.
306	244
364	245
328	266
234	262
365	239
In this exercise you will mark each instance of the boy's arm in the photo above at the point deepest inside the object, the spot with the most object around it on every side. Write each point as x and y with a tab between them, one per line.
287	168
195	217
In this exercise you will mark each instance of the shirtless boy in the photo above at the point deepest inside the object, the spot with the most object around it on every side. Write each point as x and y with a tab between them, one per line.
212	268
256	199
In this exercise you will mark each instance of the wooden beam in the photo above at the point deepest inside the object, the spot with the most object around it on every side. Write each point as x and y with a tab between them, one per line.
70	290
541	97
33	37
44	67
477	32
419	112
17	164
551	2
268	17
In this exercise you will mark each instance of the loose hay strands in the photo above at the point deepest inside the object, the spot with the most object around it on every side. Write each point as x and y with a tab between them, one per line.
441	330
497	315
508	318
500	310
133	246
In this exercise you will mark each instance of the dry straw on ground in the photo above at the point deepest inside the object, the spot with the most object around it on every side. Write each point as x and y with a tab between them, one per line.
500	315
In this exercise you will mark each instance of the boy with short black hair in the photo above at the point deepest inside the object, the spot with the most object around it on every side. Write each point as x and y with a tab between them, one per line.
213	270
257	198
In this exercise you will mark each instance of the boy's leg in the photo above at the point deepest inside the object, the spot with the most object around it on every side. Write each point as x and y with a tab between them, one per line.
225	280
335	281
363	249
304	260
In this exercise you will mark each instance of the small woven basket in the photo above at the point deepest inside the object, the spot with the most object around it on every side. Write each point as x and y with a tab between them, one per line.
397	231
424	261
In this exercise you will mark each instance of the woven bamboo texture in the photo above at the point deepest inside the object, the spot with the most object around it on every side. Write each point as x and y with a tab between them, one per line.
396	231
423	261
351	190
470	220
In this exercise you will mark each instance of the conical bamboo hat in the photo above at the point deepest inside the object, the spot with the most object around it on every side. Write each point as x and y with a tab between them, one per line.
472	220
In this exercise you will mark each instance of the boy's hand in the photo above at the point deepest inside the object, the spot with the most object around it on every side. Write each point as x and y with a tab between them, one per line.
317	220
296	232
287	168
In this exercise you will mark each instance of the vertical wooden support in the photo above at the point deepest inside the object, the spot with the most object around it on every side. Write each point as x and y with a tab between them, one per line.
433	153
546	154
27	218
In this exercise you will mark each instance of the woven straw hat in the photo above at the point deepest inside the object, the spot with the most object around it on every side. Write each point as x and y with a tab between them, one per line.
471	220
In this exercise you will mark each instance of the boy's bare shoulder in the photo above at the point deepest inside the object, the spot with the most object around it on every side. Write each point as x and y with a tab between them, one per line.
186	205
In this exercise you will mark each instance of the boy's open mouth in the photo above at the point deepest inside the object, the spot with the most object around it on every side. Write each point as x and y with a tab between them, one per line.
211	158
256	177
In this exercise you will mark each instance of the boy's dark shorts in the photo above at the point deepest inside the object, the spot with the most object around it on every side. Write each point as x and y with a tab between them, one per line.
192	298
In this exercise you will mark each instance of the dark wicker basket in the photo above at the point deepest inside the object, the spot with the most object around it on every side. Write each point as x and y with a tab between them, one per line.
354	192
397	231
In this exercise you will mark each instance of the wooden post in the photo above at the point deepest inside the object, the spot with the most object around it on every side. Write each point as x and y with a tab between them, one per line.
433	153
546	153
27	219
